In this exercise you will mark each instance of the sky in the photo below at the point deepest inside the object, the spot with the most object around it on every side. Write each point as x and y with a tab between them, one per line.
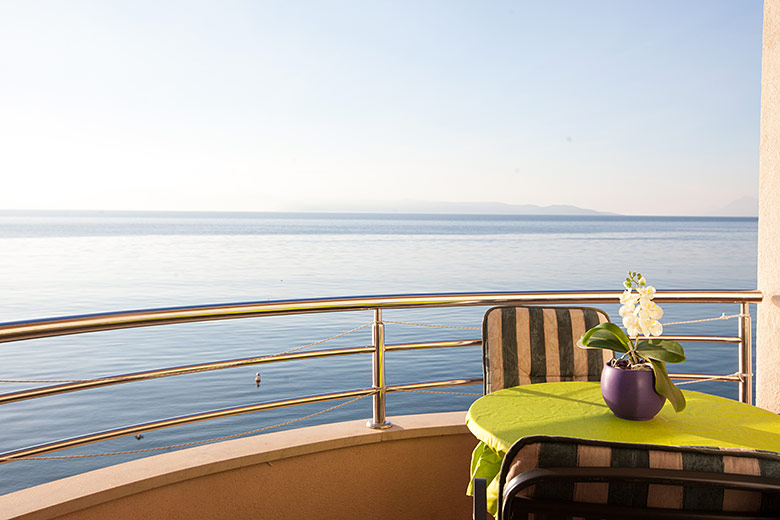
634	107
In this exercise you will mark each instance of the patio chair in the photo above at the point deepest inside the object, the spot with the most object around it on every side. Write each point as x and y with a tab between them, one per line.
528	344
562	477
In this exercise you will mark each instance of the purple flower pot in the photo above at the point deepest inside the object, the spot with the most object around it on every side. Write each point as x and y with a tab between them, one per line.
630	394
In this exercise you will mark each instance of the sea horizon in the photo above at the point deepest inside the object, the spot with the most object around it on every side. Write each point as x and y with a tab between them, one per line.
305	213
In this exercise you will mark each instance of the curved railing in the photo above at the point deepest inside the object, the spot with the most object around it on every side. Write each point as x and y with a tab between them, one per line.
24	330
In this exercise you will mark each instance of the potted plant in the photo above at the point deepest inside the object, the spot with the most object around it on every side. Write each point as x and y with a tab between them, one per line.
635	383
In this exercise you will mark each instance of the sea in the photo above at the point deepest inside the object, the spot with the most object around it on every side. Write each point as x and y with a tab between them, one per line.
71	263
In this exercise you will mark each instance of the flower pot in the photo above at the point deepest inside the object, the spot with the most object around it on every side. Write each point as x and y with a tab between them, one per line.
630	394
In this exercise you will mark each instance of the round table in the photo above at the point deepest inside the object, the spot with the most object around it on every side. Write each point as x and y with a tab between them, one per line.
576	409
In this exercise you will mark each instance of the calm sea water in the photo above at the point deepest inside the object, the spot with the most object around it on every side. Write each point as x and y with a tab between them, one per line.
55	264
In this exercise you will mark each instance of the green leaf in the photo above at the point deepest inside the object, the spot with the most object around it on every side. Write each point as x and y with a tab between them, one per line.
607	336
614	345
661	350
665	387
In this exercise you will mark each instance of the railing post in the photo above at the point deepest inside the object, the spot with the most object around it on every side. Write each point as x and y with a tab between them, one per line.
379	421
745	355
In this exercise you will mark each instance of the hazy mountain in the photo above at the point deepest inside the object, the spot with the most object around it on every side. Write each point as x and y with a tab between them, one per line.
419	206
744	207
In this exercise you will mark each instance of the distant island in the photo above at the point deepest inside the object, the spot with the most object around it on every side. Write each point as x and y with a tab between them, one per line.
743	207
421	206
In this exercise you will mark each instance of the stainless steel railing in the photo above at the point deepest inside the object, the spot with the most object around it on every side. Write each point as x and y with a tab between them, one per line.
23	330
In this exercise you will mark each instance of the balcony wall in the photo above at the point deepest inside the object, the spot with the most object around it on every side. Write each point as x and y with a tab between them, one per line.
417	469
768	324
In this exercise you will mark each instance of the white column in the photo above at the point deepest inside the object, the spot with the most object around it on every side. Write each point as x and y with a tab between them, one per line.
768	326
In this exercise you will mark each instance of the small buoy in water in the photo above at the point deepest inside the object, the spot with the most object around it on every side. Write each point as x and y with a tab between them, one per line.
139	436
257	378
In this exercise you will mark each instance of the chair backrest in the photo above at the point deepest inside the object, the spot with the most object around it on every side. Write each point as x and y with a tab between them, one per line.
568	477
528	344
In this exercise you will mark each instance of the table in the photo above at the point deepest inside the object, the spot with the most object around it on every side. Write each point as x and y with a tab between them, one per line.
576	409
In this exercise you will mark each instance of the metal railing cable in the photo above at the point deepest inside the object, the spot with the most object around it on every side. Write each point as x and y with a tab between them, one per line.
194	369
184	444
18	331
439	392
704	320
21	330
84	384
216	365
736	376
432	325
87	384
215	414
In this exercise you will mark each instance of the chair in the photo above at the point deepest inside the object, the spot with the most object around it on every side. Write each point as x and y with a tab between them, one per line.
562	477
527	344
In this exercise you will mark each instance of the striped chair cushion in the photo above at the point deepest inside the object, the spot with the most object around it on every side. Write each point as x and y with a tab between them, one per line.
562	452
523	345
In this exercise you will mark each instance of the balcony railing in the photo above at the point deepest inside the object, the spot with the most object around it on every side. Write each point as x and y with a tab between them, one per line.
24	330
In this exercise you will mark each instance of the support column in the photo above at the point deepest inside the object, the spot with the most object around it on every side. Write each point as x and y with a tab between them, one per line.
768	326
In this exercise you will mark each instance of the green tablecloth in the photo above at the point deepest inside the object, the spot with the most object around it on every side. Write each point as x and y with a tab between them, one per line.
576	409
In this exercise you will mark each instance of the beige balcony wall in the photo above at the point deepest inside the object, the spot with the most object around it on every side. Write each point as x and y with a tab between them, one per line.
768	326
417	469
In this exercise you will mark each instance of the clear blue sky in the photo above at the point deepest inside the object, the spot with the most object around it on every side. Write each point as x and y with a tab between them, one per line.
647	107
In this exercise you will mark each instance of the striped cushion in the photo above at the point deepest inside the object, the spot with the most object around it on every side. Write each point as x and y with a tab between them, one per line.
523	345
562	452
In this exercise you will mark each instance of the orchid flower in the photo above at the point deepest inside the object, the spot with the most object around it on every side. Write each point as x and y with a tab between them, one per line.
640	316
639	312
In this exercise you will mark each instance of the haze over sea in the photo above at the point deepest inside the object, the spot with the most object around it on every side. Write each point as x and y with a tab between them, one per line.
65	263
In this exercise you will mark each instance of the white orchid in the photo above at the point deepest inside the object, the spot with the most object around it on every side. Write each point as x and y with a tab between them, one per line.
649	327
628	309
640	316
639	312
645	291
654	311
631	323
628	297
